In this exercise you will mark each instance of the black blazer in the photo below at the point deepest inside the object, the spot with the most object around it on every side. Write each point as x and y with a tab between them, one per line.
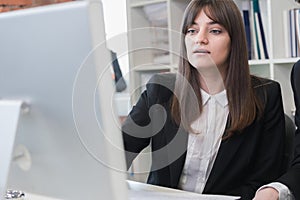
244	162
292	177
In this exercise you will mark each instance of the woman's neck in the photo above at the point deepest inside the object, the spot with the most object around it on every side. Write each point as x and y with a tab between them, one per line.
211	82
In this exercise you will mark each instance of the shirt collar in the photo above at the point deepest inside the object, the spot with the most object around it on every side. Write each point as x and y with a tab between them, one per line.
220	97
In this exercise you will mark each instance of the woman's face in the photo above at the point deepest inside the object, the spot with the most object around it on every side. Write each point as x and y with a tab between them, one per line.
207	44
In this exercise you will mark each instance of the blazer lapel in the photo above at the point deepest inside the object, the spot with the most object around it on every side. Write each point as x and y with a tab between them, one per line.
224	157
177	140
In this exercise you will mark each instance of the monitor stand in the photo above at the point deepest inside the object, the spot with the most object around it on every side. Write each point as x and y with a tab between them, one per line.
10	111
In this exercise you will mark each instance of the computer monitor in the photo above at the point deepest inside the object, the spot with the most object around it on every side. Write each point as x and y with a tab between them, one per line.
69	144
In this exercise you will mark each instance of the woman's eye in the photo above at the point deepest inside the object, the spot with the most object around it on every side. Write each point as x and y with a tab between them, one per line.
191	31
215	31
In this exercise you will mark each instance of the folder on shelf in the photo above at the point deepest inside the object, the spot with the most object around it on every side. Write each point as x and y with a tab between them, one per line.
297	31
248	31
255	41
254	50
259	37
259	32
286	30
293	32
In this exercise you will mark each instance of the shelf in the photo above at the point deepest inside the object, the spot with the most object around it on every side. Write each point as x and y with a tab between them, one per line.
274	61
259	62
286	60
144	3
152	68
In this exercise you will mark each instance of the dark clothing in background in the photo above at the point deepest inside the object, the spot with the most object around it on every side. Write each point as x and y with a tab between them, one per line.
119	80
292	178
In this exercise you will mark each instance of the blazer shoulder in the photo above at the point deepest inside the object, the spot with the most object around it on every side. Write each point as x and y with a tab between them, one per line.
161	86
269	91
259	83
166	80
296	67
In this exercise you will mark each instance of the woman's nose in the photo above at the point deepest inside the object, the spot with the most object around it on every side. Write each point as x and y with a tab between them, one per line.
201	37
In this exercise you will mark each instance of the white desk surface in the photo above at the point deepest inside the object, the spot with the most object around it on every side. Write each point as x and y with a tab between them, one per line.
37	197
142	191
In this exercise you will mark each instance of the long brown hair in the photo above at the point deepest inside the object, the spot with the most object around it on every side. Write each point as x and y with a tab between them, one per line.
242	102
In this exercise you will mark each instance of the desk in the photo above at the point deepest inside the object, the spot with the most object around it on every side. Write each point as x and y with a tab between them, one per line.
142	191
37	197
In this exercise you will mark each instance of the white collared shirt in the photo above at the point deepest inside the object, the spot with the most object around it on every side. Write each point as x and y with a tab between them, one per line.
203	147
283	190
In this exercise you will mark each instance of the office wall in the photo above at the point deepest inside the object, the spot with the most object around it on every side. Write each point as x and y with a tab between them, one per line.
9	5
115	18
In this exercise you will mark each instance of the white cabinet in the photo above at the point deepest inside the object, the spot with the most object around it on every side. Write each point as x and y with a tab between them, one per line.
278	66
153	27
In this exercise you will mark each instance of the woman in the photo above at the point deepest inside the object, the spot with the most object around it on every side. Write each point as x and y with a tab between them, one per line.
213	128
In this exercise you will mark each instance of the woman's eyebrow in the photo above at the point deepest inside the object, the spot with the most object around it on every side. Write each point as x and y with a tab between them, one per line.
212	22
209	23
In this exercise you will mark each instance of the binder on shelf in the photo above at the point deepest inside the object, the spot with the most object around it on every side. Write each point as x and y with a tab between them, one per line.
263	38
297	32
294	32
286	28
259	32
254	47
248	32
259	37
246	15
255	33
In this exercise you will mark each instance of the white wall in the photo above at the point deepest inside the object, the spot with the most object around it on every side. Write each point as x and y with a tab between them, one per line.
115	18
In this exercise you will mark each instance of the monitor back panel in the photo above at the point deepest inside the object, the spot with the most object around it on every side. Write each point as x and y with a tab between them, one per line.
41	52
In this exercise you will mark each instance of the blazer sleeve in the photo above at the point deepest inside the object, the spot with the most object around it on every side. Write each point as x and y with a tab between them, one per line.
140	125
292	177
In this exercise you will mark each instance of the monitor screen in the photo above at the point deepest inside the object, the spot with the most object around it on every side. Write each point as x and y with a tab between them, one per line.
68	145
